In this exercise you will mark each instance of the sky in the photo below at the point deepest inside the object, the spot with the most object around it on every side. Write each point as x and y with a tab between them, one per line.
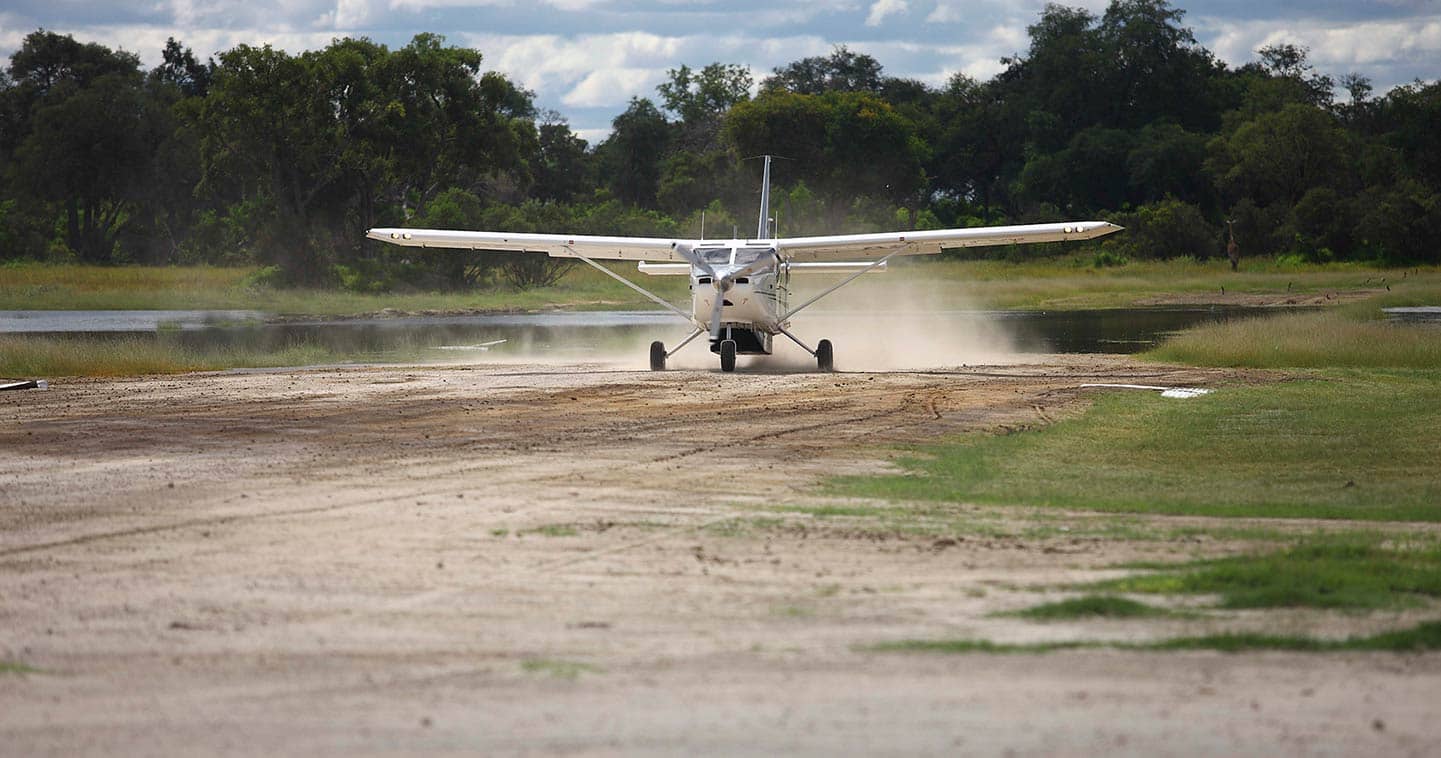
587	58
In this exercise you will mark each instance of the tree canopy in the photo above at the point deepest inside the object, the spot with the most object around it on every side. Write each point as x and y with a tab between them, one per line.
263	157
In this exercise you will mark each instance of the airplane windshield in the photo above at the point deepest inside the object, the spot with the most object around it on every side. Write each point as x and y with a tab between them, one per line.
746	255
715	254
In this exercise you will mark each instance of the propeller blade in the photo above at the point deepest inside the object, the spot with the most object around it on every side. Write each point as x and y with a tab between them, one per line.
688	252
715	313
752	267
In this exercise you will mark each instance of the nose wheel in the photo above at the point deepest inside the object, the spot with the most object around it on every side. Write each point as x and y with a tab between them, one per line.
728	355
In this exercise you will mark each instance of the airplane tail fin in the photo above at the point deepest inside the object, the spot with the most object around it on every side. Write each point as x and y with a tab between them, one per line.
763	230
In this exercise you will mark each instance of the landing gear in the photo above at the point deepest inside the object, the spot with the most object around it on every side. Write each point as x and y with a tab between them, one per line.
728	355
825	357
657	356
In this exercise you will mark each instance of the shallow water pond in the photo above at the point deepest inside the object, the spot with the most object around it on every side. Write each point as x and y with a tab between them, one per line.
578	334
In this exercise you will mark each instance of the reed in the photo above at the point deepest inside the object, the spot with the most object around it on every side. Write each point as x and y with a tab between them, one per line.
45	356
1306	340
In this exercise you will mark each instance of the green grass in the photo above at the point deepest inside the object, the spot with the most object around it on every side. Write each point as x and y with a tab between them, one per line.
1349	573
1306	340
1420	638
74	287
553	530
558	669
973	646
743	527
1051	283
39	355
15	667
1345	445
1092	607
1071	282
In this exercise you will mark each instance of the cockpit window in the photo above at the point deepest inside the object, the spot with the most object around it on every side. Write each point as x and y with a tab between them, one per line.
715	254
746	255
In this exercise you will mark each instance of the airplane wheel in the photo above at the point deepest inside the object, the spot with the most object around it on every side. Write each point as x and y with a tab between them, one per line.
825	356
728	355
657	356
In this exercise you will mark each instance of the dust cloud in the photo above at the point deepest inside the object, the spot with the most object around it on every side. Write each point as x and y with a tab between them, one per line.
889	325
877	325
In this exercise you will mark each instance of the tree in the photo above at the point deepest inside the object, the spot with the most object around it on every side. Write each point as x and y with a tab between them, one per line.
562	167
704	96
1289	63
270	132
181	69
335	139
1153	67
631	157
1278	157
1168	161
841	71
1088	175
974	145
846	145
85	132
1406	120
444	124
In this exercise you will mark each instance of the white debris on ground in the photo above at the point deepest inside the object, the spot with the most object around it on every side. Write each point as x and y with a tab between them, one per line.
1176	392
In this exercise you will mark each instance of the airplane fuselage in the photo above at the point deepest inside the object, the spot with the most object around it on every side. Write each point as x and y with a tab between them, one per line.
752	304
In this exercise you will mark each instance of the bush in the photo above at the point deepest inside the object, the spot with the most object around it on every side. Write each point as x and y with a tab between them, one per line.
267	278
1168	229
1108	259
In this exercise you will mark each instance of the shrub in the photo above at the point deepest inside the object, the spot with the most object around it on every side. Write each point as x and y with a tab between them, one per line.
1167	229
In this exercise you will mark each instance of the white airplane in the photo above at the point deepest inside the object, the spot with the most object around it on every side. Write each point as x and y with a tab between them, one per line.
740	288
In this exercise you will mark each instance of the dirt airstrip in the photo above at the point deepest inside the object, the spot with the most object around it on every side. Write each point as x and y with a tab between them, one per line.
580	559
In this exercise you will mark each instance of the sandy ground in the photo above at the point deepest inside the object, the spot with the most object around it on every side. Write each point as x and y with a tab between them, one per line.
530	559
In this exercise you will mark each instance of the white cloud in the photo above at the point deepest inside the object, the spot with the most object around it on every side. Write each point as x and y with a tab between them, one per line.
351	13
425	5
1335	48
882	8
598	70
148	41
556	64
600	88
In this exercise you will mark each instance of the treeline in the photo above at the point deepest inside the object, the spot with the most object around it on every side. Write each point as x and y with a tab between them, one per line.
261	157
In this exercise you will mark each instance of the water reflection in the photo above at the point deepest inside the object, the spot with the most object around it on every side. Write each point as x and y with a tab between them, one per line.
1425	314
578	334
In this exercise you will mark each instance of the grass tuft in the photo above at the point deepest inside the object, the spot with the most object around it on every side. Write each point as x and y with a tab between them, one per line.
553	530
973	646
1420	638
1092	606
558	669
1338	574
15	667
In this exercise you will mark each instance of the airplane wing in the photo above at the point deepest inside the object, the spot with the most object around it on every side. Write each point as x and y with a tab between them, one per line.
554	245
875	246
837	247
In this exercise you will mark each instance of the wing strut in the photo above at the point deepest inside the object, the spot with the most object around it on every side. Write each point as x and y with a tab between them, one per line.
797	340
847	280
628	283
